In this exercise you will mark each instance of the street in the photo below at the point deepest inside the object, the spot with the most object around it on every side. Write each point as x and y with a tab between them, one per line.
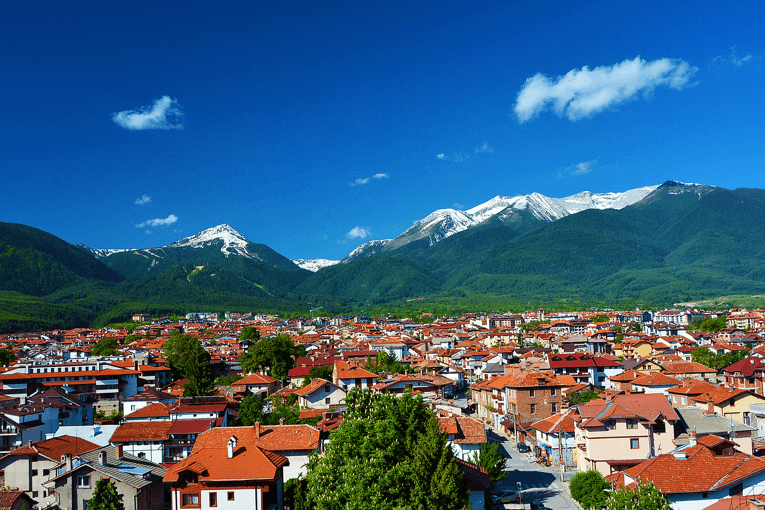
538	483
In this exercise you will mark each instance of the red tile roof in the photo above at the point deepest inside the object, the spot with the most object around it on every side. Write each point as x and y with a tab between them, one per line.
54	448
150	411
247	463
142	431
275	438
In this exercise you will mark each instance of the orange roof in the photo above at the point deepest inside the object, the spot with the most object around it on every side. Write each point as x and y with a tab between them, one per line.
142	431
54	448
150	411
466	430
247	463
275	438
255	379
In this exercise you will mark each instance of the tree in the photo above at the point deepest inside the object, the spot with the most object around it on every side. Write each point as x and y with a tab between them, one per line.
490	458
106	347
582	396
250	411
588	488
645	496
702	355
6	357
106	497
249	333
388	453
188	359
276	354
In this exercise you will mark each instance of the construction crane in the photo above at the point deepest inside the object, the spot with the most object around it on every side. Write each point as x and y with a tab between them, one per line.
314	309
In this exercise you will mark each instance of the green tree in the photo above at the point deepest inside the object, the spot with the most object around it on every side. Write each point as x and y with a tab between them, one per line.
106	497
645	496
490	458
702	355
636	326
296	494
582	396
588	488
283	408
249	333
388	453
6	357
107	346
250	411
324	372
276	354
188	359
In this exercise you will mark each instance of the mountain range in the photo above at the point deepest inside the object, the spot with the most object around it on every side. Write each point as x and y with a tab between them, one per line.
648	247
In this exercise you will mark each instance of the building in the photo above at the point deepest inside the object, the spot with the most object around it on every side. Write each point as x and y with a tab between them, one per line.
321	394
232	474
348	378
612	435
73	480
464	434
28	467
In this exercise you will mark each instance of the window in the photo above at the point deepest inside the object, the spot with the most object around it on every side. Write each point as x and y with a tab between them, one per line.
190	499
85	504
554	407
35	494
532	393
634	443
46	472
533	408
552	392
34	472
83	481
326	400
213	499
683	400
609	424
326	388
141	455
230	495
631	424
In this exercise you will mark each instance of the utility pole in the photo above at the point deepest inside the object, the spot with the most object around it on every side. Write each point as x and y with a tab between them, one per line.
560	455
515	425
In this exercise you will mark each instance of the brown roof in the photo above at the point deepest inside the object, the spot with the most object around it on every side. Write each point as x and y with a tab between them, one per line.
142	431
150	411
247	463
54	448
275	438
467	430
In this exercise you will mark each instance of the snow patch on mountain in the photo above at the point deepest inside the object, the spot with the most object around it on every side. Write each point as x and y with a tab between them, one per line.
314	265
99	253
234	243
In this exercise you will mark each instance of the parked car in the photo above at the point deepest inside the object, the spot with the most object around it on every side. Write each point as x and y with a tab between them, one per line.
507	496
523	448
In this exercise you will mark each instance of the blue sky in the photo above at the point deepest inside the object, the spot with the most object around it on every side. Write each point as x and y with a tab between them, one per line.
315	126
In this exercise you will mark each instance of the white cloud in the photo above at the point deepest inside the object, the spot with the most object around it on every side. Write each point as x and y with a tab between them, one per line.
366	180
584	92
458	206
145	199
733	59
165	113
484	148
158	222
358	233
583	168
441	156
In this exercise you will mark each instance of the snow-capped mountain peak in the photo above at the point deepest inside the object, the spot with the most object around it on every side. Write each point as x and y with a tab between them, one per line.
234	243
314	265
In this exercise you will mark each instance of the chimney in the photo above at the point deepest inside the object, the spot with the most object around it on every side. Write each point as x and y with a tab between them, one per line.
230	445
67	460
257	429
281	421
118	451
756	504
710	406
692	439
102	457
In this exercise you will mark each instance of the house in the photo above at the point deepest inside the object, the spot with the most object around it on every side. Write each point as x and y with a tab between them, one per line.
464	434
73	480
237	475
729	402
144	439
654	383
348	378
16	500
320	394
101	379
28	467
695	423
614	434
295	442
746	374
201	408
699	474
256	384
555	436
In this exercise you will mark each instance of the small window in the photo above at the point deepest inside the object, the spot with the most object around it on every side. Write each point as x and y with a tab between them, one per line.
141	455
213	499
34	472
553	392
533	408
85	504
83	481
634	444
35	494
554	407
230	495
46	472
326	401
532	393
631	424
191	499
326	388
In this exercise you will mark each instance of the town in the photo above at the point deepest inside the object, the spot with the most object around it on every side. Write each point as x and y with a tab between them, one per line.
671	397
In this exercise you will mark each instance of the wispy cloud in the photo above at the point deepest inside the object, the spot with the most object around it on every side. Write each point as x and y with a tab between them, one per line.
458	206
158	222
582	168
484	148
367	180
733	59
145	199
584	92
358	233
458	157
165	113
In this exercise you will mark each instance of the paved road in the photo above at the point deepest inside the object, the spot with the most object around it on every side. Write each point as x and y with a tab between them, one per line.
539	483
